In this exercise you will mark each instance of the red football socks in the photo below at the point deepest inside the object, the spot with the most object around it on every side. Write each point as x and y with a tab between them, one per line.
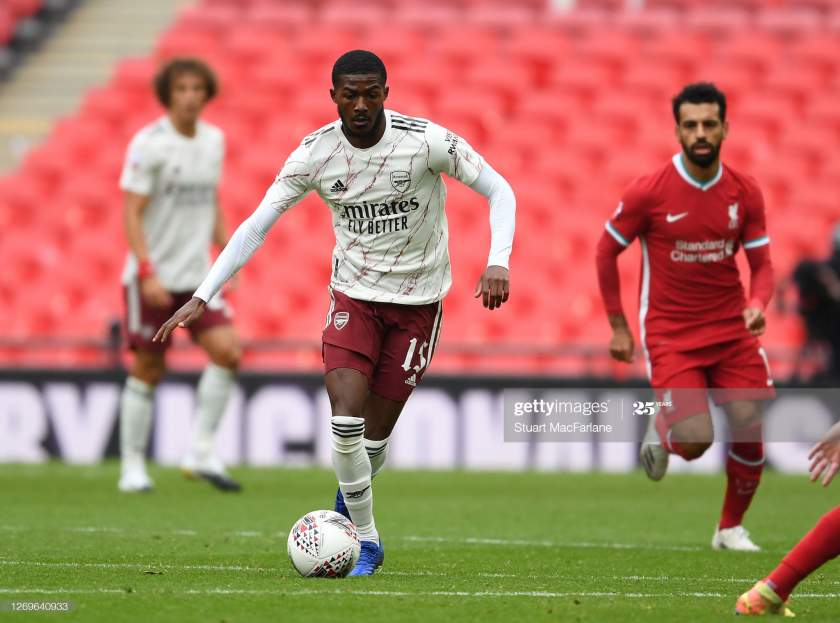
820	545
743	473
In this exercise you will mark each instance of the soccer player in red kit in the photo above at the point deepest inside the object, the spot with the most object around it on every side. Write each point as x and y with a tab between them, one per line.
816	548
698	331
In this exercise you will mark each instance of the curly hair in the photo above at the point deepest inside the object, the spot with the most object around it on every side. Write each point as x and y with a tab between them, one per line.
184	65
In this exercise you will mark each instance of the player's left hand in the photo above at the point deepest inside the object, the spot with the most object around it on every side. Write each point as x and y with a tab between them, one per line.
825	456
754	320
493	286
184	317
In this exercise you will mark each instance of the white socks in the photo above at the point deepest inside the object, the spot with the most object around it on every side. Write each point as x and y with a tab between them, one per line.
135	422
211	398
377	452
353	469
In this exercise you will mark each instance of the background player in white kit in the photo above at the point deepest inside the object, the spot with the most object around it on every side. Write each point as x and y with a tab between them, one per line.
172	216
380	174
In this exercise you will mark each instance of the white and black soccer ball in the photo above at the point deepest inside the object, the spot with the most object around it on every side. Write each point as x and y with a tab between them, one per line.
323	544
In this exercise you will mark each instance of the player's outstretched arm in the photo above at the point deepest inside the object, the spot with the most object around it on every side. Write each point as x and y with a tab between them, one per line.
825	456
606	258
184	317
247	238
494	284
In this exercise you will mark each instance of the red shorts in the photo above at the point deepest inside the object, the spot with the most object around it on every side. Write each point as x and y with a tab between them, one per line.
142	320
730	371
391	344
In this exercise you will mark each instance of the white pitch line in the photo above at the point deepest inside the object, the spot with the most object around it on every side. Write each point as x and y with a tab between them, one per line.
128	565
417	573
96	529
547	543
409	538
374	593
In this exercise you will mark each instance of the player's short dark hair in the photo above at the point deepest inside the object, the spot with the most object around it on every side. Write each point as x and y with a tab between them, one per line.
359	62
700	93
183	65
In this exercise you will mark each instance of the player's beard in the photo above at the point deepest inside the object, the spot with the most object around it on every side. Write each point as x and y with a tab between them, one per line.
704	160
380	118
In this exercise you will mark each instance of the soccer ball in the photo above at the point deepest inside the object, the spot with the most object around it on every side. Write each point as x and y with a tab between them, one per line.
323	544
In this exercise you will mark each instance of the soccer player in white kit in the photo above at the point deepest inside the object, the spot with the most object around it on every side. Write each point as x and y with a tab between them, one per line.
379	172
172	216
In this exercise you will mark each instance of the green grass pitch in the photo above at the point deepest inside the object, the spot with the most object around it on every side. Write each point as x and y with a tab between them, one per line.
459	546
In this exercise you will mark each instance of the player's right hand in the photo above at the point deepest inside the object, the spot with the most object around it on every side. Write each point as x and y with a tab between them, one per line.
621	345
154	293
825	456
754	320
184	317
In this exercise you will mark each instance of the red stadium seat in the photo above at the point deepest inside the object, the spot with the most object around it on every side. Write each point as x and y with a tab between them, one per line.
213	19
684	51
539	47
459	46
657	83
789	22
796	82
7	26
717	21
578	22
358	16
647	23
818	49
509	79
577	77
423	16
183	42
611	50
24	8
283	17
753	50
823	111
501	17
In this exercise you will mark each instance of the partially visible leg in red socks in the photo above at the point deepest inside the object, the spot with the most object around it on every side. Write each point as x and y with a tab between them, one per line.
744	465
745	460
819	546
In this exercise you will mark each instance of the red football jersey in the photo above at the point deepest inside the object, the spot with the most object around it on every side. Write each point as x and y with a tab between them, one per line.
690	295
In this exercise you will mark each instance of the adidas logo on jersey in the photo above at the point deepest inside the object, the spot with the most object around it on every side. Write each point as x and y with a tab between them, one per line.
412	380
338	187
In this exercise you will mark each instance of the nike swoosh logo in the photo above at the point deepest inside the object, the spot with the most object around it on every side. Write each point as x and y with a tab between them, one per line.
673	218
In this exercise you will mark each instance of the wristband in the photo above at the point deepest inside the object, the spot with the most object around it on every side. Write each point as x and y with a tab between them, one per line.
145	269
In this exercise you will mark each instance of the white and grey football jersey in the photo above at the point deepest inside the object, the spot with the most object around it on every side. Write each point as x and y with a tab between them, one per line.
181	176
387	204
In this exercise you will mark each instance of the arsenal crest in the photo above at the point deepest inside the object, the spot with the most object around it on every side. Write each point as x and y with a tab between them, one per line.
400	180
341	319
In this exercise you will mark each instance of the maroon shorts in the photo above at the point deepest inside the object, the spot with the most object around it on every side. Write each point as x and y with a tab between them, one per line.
142	320
730	371
390	344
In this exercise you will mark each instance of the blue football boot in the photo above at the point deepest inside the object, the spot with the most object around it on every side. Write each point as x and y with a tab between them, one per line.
370	559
